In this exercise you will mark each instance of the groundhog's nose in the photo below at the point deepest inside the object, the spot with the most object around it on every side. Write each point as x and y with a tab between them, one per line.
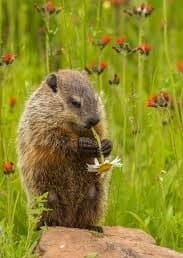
92	121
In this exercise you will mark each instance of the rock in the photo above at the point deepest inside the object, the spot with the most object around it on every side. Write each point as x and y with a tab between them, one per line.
116	242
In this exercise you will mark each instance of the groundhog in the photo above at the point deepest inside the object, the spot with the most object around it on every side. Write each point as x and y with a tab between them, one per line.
55	144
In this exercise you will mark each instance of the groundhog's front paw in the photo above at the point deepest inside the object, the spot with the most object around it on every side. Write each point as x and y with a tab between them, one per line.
88	146
106	147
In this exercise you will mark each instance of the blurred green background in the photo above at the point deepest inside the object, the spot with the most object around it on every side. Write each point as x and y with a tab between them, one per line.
147	192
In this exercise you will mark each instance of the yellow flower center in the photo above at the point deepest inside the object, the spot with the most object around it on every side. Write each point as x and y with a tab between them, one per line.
104	167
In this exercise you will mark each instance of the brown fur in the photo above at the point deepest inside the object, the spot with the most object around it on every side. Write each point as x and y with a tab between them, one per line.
49	156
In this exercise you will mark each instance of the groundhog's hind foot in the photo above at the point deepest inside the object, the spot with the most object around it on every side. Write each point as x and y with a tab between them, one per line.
98	229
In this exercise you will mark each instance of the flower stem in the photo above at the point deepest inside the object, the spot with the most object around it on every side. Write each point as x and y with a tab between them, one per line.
99	81
8	188
139	95
99	144
67	54
99	15
47	49
124	97
118	18
140	76
84	33
1	102
166	49
2	150
1	128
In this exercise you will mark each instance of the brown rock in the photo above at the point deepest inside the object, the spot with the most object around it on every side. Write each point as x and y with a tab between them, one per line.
116	242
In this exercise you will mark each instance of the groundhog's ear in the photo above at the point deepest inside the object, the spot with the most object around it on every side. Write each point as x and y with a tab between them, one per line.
52	82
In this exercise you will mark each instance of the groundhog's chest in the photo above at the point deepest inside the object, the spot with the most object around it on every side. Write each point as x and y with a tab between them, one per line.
71	182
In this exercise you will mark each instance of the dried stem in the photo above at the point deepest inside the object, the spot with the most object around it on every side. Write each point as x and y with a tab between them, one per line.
99	144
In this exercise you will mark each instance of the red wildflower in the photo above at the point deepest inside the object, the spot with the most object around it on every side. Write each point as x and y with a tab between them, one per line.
161	99
103	65
142	7
180	66
105	40
102	42
8	168
122	46
142	10
144	49
8	59
48	8
98	69
120	41
152	101
12	102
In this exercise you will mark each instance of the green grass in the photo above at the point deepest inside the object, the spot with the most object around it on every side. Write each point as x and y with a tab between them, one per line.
147	192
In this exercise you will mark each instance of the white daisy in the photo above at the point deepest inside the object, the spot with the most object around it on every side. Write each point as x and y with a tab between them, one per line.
104	167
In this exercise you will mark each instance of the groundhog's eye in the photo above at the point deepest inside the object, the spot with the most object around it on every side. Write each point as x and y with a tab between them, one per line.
75	102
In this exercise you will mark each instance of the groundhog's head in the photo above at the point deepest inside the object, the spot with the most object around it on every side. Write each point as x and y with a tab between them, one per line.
80	106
